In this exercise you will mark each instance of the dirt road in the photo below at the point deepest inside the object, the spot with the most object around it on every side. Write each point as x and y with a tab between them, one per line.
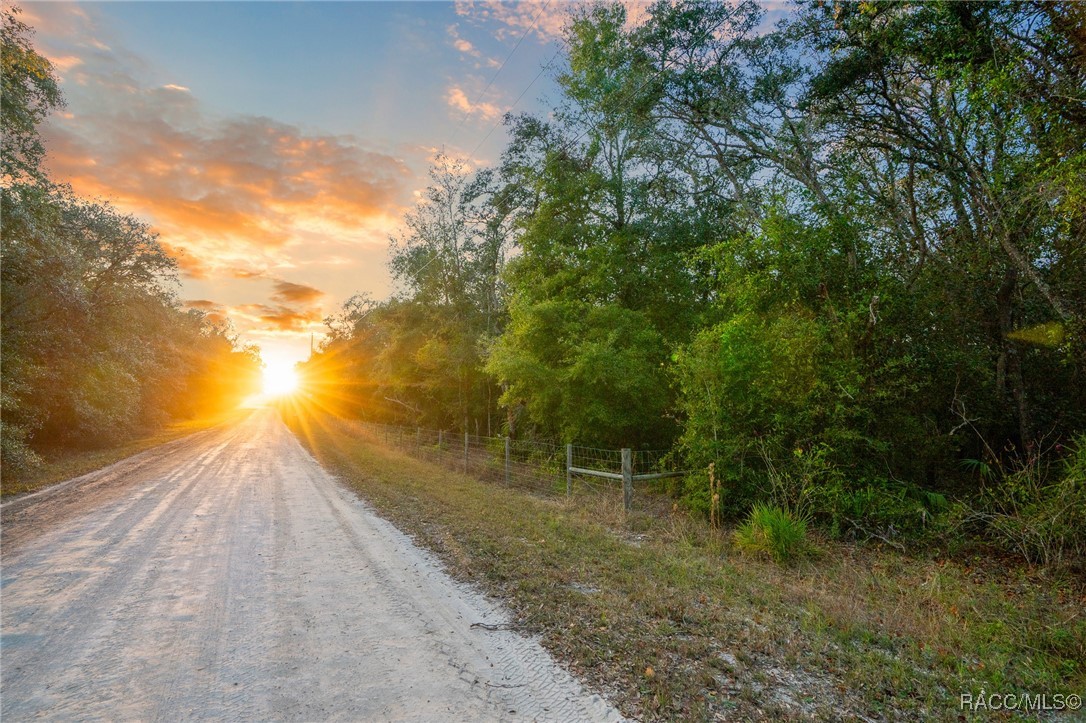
226	575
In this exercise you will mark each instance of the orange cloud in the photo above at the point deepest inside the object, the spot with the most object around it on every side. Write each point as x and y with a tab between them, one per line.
458	100
214	312
227	192
187	264
246	274
287	292
234	199
279	317
201	304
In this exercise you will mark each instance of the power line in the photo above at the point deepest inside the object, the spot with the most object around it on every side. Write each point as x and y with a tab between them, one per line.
626	97
519	97
529	29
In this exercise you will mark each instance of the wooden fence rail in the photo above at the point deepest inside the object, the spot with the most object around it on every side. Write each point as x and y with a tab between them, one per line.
536	464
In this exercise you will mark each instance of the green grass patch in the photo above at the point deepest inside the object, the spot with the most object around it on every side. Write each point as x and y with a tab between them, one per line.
774	532
662	615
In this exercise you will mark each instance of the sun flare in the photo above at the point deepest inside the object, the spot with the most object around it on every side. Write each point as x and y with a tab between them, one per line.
280	379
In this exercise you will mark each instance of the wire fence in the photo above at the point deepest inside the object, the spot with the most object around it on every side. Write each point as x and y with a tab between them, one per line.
541	467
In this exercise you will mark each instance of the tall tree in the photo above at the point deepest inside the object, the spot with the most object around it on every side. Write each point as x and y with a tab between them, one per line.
94	346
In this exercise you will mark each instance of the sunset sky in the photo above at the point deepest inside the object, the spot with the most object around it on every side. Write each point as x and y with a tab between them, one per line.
275	146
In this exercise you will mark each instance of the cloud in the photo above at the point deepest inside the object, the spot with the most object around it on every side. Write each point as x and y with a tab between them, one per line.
64	63
187	264
469	49
458	100
235	199
222	192
462	45
213	311
279	317
546	20
246	273
201	304
288	292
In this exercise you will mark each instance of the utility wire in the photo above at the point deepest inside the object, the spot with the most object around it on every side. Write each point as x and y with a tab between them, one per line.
502	66
624	100
538	75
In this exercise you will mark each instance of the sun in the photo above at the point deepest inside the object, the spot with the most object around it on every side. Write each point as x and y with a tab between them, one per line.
280	379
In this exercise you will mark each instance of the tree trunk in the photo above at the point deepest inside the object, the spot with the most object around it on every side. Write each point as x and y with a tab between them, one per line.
1010	363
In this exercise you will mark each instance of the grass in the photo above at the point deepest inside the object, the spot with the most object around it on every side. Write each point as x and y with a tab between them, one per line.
671	623
774	532
61	464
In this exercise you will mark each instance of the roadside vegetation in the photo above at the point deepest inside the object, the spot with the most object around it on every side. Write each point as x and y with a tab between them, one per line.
672	621
96	349
840	261
65	462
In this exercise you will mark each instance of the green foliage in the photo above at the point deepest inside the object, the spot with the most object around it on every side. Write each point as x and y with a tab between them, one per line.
29	93
418	357
773	531
94	346
587	373
838	260
879	509
1035	516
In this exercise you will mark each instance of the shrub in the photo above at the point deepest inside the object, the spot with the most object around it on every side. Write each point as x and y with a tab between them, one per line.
18	458
775	532
878	509
1041	522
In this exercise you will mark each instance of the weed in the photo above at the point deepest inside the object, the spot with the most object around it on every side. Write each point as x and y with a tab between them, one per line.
858	632
773	531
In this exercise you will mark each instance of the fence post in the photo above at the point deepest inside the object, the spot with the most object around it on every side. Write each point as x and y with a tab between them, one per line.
627	479
507	460
418	437
440	440
569	470
465	452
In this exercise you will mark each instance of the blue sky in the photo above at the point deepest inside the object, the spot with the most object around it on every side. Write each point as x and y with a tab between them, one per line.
275	146
377	70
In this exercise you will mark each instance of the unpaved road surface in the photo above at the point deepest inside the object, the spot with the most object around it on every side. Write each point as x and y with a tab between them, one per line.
227	576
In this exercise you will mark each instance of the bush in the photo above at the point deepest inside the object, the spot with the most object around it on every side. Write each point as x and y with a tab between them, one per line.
878	509
775	532
1041	522
18	458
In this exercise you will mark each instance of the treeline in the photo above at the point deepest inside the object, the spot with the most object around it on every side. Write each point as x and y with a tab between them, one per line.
94	344
844	261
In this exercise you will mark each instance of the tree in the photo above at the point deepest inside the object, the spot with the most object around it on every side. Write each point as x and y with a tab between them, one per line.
94	346
30	93
417	358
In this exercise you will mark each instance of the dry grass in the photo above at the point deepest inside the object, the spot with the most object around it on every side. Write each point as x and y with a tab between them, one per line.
661	613
63	464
